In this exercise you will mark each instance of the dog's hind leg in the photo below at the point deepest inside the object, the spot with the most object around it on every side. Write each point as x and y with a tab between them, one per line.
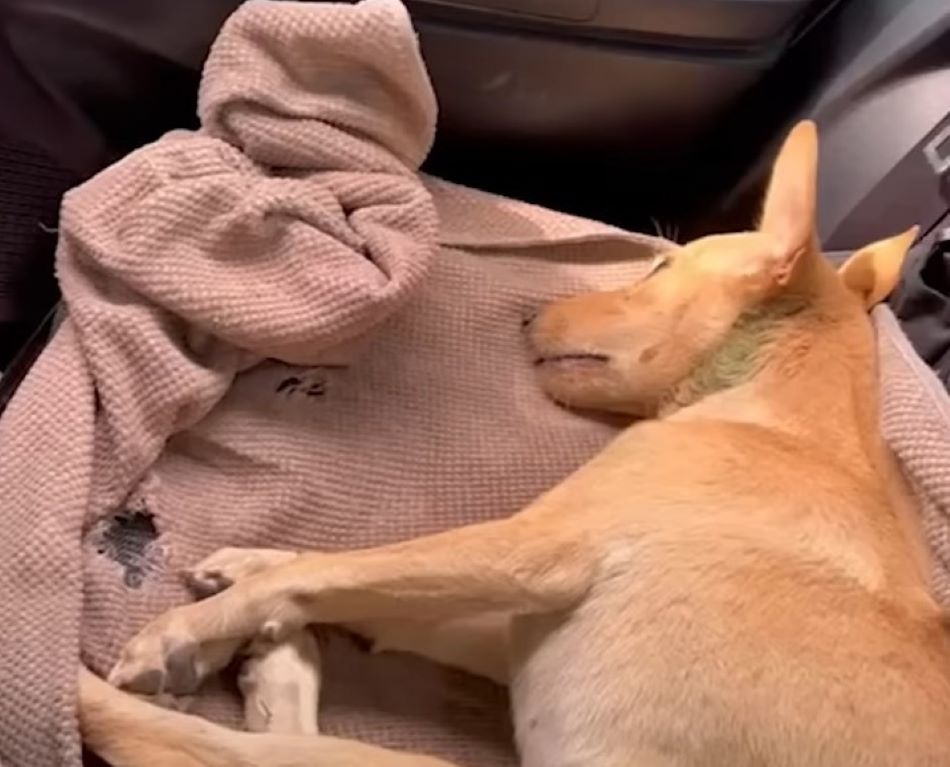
280	682
129	732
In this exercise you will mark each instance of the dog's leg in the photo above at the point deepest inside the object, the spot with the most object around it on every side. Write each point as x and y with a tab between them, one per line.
516	566
478	645
128	732
280	682
225	567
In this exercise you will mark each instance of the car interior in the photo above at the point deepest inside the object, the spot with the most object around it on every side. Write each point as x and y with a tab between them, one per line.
651	116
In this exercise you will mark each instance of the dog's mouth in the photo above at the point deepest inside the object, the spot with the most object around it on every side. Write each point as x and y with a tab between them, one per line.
572	360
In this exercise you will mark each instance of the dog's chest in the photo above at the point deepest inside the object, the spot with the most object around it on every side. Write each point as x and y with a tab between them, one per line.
633	674
550	699
578	685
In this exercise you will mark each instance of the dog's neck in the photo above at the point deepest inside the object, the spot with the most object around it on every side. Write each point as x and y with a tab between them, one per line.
802	363
743	353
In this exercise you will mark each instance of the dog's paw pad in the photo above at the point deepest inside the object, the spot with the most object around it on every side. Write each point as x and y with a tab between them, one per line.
150	682
183	677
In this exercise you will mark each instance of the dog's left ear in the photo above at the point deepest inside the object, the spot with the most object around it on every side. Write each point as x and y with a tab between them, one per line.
872	272
789	212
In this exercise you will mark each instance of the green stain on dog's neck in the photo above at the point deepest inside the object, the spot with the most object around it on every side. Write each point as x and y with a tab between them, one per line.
741	354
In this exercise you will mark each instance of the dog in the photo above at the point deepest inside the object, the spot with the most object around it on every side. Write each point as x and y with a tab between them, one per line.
737	579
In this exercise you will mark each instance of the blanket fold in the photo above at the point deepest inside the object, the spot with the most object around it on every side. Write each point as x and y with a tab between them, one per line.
200	255
279	334
287	228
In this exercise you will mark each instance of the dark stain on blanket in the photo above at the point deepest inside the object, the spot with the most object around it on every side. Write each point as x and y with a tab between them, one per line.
307	383
293	385
289	384
126	537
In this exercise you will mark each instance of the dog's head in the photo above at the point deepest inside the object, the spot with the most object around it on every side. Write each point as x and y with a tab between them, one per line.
717	298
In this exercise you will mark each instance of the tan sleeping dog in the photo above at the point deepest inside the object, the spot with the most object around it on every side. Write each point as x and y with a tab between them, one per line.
737	581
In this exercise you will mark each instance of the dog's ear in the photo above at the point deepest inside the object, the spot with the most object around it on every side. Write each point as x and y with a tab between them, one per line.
789	212
873	271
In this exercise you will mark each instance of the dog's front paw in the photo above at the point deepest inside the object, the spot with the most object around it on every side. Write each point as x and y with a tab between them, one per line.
166	658
226	567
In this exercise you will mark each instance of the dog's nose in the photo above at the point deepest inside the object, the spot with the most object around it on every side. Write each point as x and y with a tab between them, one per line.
528	319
